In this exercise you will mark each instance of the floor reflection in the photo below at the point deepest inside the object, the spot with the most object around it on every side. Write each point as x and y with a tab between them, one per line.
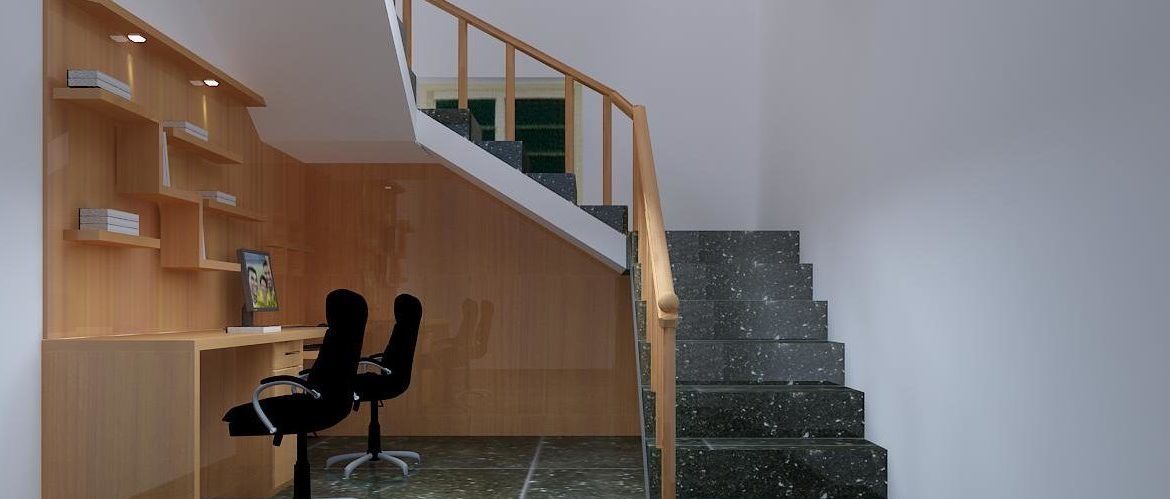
488	467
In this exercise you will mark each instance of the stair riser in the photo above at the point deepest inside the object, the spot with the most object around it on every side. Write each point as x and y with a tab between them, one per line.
731	320
563	184
458	120
802	473
763	362
803	413
693	281
734	247
614	216
510	152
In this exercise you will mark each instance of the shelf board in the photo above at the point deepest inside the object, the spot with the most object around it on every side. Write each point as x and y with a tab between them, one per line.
106	238
168	195
217	265
181	140
119	20
227	210
106	103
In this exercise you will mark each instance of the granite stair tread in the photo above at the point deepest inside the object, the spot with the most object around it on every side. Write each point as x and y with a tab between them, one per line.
616	216
760	362
563	184
717	443
759	281
713	246
460	121
508	151
753	319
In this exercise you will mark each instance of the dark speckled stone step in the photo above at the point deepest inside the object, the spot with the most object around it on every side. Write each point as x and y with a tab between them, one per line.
753	319
763	362
508	151
772	411
459	120
822	468
759	281
613	216
563	184
691	246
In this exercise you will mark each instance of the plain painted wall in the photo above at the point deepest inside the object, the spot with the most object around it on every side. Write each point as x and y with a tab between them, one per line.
693	67
982	186
20	223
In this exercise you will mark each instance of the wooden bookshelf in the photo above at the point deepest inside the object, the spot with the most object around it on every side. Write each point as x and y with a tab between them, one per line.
112	239
227	210
105	102
119	20
181	140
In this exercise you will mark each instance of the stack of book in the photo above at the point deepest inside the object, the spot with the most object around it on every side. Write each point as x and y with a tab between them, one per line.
219	196
187	126
91	78
109	220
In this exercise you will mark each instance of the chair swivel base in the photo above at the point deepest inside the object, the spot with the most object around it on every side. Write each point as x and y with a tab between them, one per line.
360	458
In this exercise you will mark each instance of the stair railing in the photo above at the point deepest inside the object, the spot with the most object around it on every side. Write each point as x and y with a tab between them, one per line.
657	279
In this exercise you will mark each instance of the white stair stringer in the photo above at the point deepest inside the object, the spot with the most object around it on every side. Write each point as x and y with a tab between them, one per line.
521	192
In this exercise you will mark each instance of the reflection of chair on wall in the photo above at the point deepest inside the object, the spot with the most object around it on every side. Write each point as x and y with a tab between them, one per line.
394	367
328	388
470	343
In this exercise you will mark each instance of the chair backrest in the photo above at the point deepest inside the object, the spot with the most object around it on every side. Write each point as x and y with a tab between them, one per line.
334	373
399	354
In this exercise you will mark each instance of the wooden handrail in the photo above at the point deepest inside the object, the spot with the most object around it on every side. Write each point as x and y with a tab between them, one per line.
520	45
655	230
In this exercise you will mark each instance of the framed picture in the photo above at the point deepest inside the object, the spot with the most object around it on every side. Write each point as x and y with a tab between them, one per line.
258	282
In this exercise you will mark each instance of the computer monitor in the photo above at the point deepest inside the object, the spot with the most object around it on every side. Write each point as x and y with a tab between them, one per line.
258	283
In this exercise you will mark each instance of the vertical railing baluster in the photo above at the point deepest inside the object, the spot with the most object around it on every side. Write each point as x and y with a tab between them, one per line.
408	32
510	92
462	64
607	150
570	150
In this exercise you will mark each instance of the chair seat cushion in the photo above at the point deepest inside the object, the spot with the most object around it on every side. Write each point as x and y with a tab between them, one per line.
371	386
290	414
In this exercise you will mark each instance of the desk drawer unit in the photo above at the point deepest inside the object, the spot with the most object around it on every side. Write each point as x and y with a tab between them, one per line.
286	354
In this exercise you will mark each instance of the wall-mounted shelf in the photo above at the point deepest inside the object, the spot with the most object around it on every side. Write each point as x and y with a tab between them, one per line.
227	210
220	266
114	239
167	195
107	103
120	20
180	139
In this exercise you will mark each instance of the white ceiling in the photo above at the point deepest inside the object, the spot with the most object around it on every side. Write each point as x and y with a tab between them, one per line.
332	73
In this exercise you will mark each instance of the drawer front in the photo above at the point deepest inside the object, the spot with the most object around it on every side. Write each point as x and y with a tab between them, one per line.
286	354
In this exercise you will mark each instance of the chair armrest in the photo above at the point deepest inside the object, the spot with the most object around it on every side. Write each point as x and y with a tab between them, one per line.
274	381
369	362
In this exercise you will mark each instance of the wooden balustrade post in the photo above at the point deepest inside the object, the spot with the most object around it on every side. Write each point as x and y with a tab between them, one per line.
408	32
510	92
462	64
607	150
570	150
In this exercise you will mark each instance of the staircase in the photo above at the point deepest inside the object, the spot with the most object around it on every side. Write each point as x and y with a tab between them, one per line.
761	408
742	393
462	122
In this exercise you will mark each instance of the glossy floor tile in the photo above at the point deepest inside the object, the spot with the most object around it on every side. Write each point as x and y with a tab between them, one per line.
486	467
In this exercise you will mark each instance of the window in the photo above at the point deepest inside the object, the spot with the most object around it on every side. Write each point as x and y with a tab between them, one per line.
540	115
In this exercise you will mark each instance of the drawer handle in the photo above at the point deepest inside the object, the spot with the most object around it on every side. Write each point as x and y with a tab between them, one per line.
294	352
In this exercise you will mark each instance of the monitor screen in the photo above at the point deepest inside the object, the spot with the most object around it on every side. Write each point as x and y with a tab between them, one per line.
259	285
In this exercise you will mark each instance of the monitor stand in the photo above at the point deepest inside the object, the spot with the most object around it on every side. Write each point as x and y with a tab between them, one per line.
248	326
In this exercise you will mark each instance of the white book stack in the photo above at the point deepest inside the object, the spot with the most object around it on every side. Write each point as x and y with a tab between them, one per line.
188	127
219	196
91	78
109	220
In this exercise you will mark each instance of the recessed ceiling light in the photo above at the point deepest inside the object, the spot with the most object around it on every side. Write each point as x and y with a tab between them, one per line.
136	38
197	83
211	83
119	38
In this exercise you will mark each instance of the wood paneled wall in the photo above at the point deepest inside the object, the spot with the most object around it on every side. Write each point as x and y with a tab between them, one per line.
92	290
524	334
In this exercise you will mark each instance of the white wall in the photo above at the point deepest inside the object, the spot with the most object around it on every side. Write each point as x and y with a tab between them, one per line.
983	187
693	67
20	222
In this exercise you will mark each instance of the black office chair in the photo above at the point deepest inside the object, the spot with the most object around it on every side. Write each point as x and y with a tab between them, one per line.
328	390
391	379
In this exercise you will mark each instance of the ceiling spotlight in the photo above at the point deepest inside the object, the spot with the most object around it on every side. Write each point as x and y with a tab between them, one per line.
211	83
119	38
197	83
136	38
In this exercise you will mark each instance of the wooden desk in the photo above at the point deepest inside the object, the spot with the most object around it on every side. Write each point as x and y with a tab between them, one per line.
139	415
